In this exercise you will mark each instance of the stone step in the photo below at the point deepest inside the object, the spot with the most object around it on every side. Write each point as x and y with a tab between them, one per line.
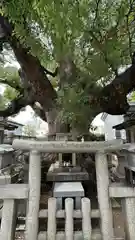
43	213
60	223
96	235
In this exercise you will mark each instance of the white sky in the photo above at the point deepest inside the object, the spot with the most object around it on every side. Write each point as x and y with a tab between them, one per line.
26	117
1	89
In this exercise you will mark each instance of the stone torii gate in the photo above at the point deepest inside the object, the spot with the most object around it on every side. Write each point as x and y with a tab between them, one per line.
31	191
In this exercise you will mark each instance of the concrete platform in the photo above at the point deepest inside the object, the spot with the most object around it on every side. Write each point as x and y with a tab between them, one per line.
68	189
66	174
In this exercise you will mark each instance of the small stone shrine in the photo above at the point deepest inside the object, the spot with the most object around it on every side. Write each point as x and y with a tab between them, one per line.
67	177
61	171
65	172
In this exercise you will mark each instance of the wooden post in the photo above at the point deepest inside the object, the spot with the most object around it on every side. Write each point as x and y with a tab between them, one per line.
8	222
69	224
34	196
128	208
103	196
51	227
74	159
86	218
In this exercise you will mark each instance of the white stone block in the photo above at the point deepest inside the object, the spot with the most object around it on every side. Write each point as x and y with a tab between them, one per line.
68	189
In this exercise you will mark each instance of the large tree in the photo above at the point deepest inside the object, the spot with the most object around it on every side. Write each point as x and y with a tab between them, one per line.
83	44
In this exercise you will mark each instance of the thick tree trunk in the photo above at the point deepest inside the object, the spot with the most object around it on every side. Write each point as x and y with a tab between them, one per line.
54	123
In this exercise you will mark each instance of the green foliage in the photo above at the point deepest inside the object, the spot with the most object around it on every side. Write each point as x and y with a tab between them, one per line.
98	35
8	77
81	28
2	102
10	94
9	74
132	97
74	102
29	130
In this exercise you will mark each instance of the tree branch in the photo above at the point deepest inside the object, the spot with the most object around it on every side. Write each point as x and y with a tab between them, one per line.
113	97
41	87
39	111
21	102
53	74
103	52
96	10
15	106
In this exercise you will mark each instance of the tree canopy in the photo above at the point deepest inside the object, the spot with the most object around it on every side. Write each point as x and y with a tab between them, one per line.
87	42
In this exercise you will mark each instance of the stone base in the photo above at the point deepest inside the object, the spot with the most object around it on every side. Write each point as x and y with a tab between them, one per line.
66	190
67	174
